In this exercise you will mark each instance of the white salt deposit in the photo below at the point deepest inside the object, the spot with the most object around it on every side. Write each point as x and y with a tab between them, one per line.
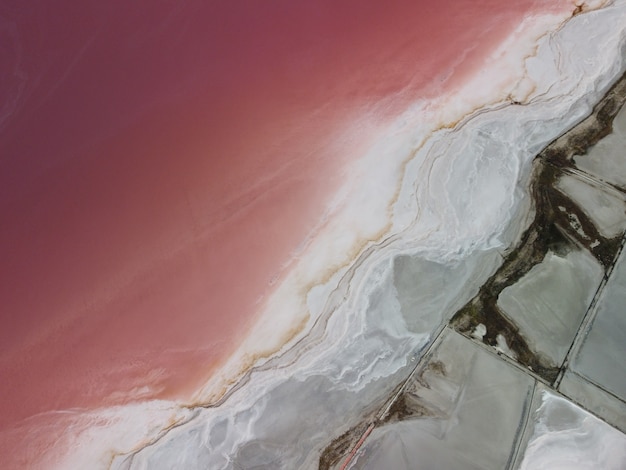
566	437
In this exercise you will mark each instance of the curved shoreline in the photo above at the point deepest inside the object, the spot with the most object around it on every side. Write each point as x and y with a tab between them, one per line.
370	319
261	386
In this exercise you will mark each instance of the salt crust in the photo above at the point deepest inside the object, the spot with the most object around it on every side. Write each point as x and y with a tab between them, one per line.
567	437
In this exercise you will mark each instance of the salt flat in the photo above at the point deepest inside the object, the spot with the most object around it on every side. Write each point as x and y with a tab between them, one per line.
604	159
601	355
549	302
468	406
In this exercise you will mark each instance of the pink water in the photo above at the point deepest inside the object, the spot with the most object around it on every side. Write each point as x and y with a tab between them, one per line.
161	162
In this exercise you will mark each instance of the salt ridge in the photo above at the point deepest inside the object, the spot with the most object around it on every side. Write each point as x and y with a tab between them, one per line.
424	205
